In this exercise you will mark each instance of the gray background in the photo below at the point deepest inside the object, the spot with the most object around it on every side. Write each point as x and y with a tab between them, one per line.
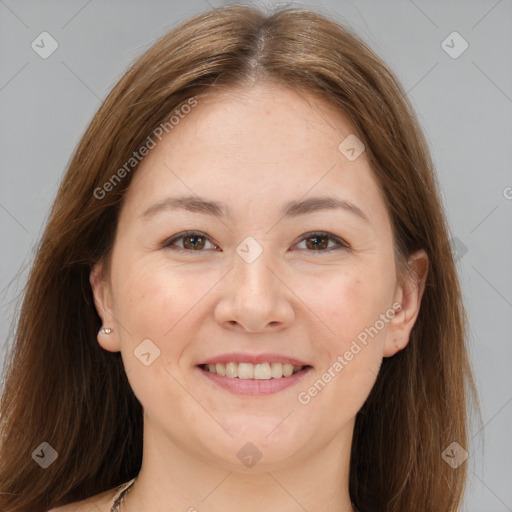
464	105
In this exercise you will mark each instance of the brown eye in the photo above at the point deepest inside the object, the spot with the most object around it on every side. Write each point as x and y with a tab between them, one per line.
196	242
319	241
192	241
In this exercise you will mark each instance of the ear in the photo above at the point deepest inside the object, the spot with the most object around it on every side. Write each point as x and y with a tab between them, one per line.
102	294
409	294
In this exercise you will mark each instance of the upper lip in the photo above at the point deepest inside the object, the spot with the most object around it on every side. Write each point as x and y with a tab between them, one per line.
238	357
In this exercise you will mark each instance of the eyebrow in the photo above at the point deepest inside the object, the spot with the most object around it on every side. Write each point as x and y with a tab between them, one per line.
290	209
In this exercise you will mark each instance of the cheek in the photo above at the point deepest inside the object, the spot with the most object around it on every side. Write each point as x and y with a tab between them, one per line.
352	301
152	298
155	303
352	306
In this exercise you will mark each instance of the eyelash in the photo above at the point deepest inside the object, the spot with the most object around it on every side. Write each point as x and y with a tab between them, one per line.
170	242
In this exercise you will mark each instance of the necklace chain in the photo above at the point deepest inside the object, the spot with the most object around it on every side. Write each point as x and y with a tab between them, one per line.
116	507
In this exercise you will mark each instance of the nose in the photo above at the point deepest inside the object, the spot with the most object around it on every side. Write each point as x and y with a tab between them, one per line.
255	296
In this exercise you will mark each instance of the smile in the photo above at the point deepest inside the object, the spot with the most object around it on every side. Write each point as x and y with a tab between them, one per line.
261	371
254	379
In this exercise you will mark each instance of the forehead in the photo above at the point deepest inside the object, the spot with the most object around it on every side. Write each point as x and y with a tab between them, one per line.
255	114
266	144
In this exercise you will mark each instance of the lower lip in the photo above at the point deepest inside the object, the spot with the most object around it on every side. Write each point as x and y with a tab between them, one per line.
255	387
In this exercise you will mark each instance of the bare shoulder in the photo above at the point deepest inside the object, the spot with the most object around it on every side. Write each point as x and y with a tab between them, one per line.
101	502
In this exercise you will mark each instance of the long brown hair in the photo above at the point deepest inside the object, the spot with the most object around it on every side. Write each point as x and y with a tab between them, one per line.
62	388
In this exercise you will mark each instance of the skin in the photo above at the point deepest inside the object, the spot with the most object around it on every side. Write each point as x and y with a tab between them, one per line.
253	148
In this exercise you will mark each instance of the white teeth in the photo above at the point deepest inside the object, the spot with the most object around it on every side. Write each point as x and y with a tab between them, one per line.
260	371
232	370
276	370
245	371
287	369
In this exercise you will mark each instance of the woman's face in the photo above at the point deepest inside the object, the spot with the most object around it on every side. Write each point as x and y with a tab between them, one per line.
253	280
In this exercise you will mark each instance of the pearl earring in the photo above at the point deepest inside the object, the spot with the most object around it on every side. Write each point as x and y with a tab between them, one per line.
106	330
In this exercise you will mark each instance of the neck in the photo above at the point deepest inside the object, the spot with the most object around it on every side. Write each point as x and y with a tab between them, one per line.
173	479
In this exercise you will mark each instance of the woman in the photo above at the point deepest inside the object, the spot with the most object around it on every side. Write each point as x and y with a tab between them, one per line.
245	297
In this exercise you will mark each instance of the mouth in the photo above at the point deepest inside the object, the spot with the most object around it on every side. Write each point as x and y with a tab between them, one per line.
249	371
259	377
